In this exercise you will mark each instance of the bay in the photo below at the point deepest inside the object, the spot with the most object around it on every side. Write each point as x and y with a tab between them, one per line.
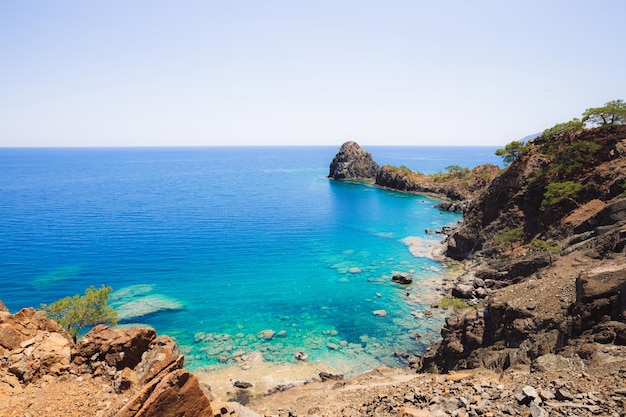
213	246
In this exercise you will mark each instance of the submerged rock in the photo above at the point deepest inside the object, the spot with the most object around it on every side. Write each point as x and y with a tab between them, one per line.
352	162
402	278
266	334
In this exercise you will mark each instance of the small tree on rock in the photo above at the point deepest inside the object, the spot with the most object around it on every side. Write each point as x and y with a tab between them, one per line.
77	312
512	151
612	113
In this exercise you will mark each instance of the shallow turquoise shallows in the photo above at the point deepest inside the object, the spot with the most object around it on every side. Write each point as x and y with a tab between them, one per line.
230	249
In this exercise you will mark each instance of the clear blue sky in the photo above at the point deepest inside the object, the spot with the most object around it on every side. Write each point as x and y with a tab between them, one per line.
154	73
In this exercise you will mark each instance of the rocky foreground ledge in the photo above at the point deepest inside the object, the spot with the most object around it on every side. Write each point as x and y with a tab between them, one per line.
122	373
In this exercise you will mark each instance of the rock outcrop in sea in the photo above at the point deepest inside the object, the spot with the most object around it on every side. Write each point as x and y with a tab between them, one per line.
353	163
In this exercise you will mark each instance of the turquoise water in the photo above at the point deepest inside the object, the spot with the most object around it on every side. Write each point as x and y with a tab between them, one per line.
214	245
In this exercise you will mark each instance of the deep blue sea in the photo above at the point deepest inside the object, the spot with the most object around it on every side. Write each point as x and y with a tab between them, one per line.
214	245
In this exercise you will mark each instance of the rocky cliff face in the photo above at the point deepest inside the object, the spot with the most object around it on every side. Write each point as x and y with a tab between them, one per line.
121	373
548	270
458	188
352	162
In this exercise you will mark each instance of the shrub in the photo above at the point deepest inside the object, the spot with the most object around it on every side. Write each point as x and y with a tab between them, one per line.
455	304
575	156
561	129
543	245
457	170
77	312
510	236
559	191
512	151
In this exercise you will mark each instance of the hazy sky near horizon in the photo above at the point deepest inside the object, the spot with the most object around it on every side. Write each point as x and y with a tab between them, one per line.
204	73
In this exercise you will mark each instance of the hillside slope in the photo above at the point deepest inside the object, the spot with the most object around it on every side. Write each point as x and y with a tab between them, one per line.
544	244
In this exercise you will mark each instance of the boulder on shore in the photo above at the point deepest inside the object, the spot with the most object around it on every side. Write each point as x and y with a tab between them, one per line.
352	162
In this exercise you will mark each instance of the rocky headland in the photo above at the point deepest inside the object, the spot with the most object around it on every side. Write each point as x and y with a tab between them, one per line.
353	163
538	329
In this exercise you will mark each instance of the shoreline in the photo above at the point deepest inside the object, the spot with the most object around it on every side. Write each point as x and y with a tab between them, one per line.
265	378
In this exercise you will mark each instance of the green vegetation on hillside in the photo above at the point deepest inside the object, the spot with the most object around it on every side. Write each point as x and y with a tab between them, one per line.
510	236
455	304
574	157
559	191
75	313
611	114
561	129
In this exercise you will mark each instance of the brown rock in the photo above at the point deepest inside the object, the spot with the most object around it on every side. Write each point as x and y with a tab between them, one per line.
413	412
120	349
161	354
10	338
176	394
125	380
600	283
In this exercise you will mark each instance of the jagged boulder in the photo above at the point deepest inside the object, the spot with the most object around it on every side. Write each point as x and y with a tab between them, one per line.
161	354
600	293
175	394
352	162
134	361
118	349
32	346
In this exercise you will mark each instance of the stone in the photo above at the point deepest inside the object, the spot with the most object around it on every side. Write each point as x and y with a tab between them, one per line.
413	412
465	291
301	356
265	334
402	278
53	350
10	338
352	162
327	376
530	392
242	384
118	348
380	313
537	411
160	354
481	292
125	380
563	395
176	394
